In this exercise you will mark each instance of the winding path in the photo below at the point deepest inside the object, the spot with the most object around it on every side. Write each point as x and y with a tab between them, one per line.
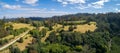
10	43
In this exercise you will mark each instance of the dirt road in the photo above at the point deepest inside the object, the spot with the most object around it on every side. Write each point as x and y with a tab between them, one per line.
10	43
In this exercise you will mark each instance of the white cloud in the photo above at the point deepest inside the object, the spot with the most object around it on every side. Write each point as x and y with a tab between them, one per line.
118	10
99	4
19	7
82	7
22	11
31	2
7	6
65	2
83	4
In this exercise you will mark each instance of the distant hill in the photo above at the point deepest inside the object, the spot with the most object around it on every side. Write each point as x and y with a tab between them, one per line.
37	18
31	18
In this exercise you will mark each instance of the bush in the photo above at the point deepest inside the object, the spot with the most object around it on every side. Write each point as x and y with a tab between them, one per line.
78	48
71	28
21	40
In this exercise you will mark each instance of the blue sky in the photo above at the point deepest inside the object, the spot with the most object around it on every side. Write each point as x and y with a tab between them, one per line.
48	8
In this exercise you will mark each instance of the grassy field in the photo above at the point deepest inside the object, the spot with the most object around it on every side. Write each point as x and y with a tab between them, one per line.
66	28
27	39
7	37
57	26
83	28
21	25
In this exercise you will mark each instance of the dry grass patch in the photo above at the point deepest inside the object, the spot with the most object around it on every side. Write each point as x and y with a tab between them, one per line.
40	28
57	26
27	39
8	37
21	25
66	28
85	27
46	36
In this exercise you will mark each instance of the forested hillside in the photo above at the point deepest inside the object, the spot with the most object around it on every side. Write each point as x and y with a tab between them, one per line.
75	33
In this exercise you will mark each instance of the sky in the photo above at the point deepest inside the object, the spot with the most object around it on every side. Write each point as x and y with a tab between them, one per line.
48	8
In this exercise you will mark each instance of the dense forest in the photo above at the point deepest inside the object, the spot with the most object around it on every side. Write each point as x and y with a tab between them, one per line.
105	39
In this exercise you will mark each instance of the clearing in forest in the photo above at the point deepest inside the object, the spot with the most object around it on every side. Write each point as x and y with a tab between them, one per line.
66	28
57	26
83	27
21	25
26	40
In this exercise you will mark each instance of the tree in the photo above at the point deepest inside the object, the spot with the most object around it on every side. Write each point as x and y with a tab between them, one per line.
35	33
10	27
71	28
21	40
55	48
43	32
15	50
52	37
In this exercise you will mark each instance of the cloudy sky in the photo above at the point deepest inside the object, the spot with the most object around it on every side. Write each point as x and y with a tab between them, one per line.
47	8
